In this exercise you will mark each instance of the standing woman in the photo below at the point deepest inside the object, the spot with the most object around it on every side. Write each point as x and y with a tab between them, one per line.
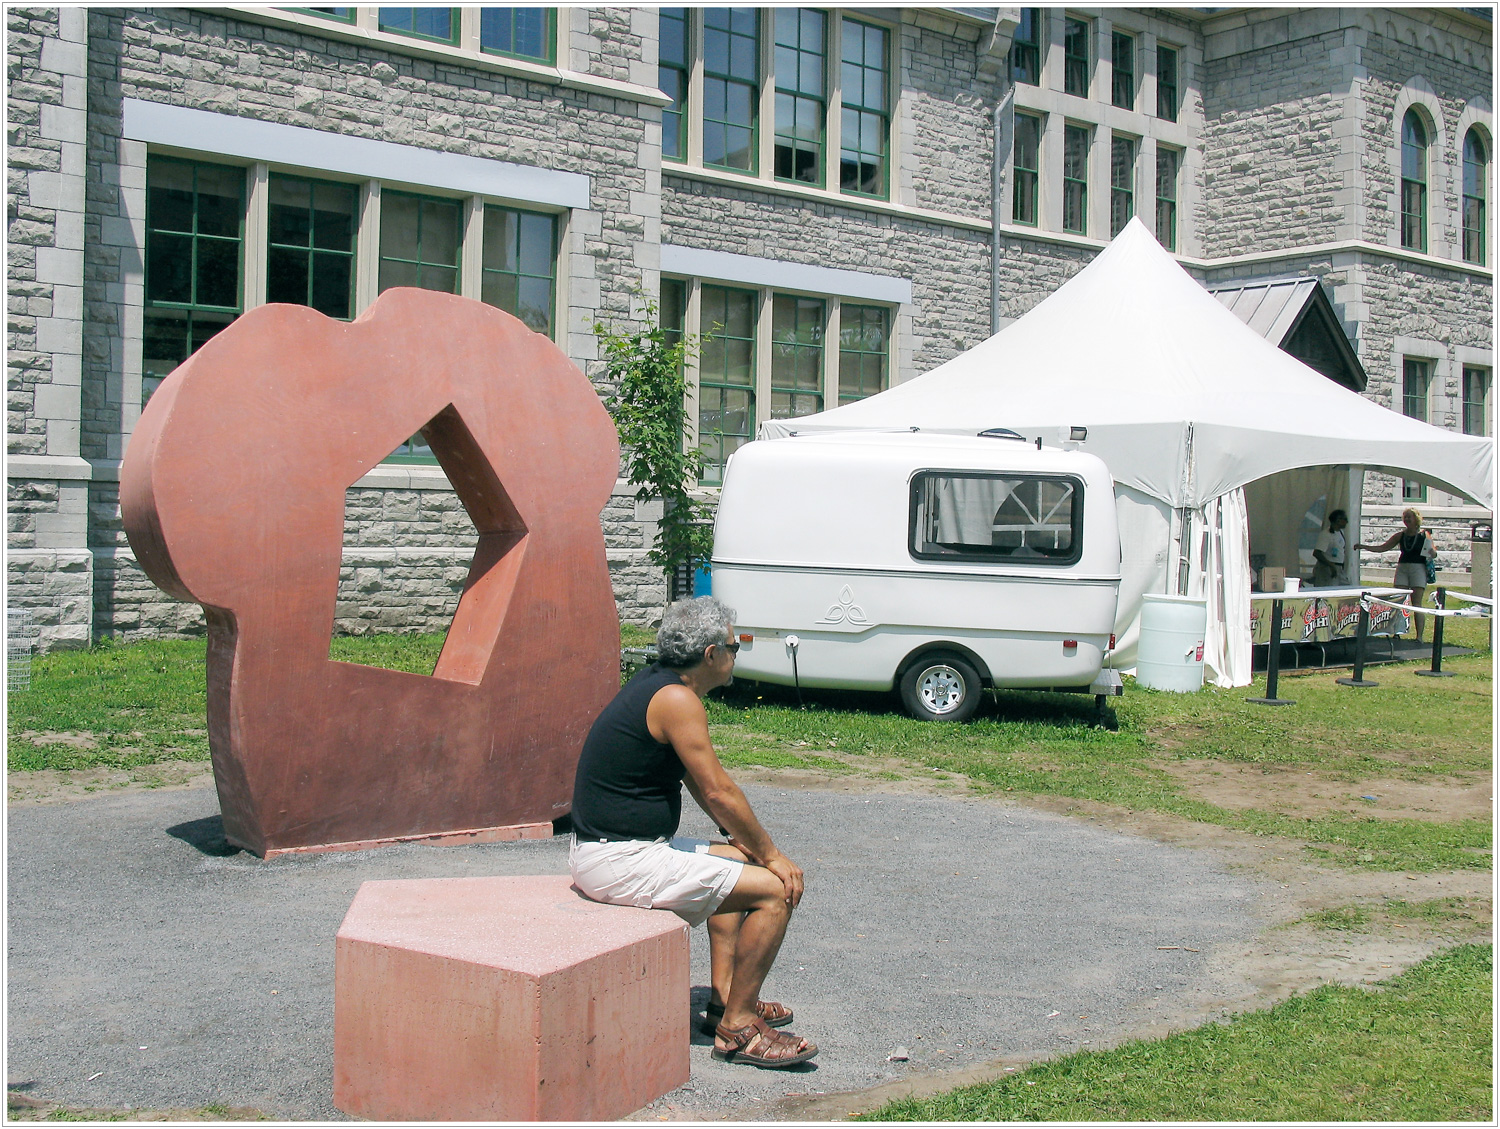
1411	569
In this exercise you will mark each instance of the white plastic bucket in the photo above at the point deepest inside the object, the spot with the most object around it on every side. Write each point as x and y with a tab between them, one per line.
1170	654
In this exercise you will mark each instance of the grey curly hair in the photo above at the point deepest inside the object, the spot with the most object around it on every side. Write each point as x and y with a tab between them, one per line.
688	628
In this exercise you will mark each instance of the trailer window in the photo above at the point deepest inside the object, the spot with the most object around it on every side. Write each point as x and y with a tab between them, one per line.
995	518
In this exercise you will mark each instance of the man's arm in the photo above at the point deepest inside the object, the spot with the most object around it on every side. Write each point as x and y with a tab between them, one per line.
676	716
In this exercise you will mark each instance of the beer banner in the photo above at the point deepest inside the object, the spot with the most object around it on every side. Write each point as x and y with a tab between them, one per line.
1310	619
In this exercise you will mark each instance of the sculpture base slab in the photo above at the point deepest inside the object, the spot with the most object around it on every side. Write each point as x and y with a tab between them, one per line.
505	999
438	838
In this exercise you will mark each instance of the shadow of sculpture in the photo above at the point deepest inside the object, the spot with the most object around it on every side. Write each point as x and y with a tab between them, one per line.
232	492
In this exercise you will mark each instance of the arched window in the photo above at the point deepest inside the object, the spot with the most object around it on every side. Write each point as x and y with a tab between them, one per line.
1475	160
1413	182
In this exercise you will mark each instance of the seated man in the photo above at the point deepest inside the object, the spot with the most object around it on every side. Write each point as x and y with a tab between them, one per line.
627	801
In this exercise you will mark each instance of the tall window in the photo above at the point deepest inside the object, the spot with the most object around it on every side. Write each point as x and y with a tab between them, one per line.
310	244
672	77
1166	83
1122	81
522	33
1026	163
1167	162
801	50
420	240
796	356
726	375
864	334
866	113
1121	183
1476	400
1025	48
731	86
424	23
1474	170
1076	57
518	273
194	235
1413	182
1416	378
1075	178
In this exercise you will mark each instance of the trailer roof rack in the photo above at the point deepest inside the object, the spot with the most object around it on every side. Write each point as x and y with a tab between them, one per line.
1001	433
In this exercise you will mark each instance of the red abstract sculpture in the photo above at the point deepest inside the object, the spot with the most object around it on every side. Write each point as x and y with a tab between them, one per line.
232	493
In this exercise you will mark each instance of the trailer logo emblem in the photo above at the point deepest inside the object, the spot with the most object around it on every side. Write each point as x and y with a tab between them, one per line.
845	611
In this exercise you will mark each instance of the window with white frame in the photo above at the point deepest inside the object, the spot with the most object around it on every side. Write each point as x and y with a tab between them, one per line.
1121	182
1416	380
1413	181
198	258
764	354
1168	161
1166	83
1077	61
1026	161
1122	70
1075	178
727	69
1026	48
1476	400
1476	162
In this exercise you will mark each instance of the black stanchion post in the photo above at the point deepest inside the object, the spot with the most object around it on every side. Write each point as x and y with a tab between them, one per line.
1437	670
1273	663
1361	634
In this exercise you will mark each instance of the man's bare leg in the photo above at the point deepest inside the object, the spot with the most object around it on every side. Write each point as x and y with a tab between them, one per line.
723	935
759	899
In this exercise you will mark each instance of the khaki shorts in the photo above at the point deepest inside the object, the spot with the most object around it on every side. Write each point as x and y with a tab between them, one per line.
679	875
1410	576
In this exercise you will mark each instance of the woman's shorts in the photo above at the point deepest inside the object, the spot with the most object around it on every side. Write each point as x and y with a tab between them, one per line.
679	875
1410	576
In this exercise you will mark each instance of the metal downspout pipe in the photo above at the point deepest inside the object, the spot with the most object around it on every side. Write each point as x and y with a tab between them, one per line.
1004	128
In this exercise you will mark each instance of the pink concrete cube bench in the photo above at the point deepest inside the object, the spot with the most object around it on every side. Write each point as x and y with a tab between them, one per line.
505	999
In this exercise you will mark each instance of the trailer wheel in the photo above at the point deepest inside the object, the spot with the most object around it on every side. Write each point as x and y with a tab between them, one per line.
940	686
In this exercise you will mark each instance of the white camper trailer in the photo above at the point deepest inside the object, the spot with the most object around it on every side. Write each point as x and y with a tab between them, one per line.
936	563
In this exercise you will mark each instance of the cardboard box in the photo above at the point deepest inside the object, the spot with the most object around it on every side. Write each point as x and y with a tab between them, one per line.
1272	579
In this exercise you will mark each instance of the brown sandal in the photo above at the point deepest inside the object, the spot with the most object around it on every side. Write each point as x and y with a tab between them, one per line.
770	1012
758	1045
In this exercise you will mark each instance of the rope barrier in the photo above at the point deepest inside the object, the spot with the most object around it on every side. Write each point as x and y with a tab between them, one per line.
1368	602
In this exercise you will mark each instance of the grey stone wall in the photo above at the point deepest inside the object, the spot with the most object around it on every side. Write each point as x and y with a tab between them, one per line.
946	135
1270	147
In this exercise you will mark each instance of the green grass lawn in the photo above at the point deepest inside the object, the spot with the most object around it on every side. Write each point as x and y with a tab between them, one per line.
1416	1047
139	704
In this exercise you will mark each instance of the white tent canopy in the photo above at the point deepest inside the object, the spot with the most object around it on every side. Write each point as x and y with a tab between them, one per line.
1185	404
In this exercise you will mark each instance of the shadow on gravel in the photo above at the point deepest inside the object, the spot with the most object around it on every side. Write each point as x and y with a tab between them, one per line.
206	834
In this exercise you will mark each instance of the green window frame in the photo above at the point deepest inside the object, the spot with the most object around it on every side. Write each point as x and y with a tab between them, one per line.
801	101
672	70
518	273
726	375
1026	163
1076	35
1476	400
1413	182
519	33
1416	382
310	240
1121	183
1076	179
1026	49
865	125
421	245
343	15
731	88
1122	70
864	351
1476	161
437	24
796	355
1166	83
195	236
1168	161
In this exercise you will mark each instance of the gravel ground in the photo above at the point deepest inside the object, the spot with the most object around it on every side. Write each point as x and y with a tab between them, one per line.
151	968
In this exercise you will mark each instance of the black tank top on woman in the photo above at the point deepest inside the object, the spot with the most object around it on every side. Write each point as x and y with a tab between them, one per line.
1411	548
629	784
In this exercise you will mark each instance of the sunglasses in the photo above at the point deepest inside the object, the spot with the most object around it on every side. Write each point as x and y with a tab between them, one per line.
732	648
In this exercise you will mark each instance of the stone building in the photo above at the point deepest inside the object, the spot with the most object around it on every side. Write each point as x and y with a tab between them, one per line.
820	188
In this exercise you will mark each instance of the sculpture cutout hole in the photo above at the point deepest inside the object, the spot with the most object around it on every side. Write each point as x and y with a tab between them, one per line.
388	588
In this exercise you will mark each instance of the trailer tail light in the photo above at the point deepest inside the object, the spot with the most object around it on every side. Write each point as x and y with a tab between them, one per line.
746	637
1070	644
1111	640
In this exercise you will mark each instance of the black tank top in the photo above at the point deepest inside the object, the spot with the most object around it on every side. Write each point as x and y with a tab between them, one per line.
628	785
1411	548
